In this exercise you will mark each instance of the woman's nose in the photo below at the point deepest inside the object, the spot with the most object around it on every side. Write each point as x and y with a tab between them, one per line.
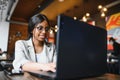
43	30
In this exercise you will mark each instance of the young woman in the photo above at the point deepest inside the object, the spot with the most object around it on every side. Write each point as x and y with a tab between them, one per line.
35	53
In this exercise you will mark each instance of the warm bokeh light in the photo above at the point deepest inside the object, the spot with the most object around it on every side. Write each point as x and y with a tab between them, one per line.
84	19
100	7
87	14
104	9
56	28
60	0
75	18
102	14
51	31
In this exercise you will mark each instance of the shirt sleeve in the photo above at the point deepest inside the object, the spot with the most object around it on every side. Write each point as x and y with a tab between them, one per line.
20	58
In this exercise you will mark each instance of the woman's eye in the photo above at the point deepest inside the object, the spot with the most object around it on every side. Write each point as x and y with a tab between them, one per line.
41	28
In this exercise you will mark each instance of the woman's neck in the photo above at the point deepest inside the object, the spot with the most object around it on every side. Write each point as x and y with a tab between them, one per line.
38	43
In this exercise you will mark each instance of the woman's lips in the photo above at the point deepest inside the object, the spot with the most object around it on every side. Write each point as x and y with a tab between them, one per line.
42	36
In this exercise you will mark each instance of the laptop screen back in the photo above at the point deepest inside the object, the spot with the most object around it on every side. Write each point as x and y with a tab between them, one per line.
81	49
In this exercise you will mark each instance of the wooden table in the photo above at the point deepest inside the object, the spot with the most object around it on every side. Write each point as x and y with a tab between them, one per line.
27	76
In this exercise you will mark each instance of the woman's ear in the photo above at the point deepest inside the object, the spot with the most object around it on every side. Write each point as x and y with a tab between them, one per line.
32	31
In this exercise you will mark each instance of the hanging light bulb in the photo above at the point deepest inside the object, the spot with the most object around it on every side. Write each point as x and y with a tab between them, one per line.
75	18
104	9
84	19
51	32
87	14
60	0
56	28
100	7
102	14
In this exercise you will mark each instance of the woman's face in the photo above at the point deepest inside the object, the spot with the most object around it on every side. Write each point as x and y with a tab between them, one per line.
40	31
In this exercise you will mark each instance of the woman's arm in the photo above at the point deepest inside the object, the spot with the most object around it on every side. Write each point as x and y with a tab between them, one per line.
22	61
20	58
32	66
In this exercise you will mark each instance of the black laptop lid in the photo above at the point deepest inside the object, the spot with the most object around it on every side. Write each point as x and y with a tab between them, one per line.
81	49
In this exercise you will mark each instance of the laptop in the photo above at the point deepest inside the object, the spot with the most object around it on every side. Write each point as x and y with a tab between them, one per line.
81	50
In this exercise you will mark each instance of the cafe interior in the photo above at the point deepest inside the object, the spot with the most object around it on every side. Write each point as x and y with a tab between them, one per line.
15	14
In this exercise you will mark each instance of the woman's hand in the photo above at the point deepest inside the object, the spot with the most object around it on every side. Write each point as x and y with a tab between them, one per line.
48	67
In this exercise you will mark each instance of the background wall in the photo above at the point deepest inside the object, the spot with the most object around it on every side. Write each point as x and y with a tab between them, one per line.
101	21
4	32
16	32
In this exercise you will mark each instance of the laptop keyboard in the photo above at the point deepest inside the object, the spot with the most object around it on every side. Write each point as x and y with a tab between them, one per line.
44	74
